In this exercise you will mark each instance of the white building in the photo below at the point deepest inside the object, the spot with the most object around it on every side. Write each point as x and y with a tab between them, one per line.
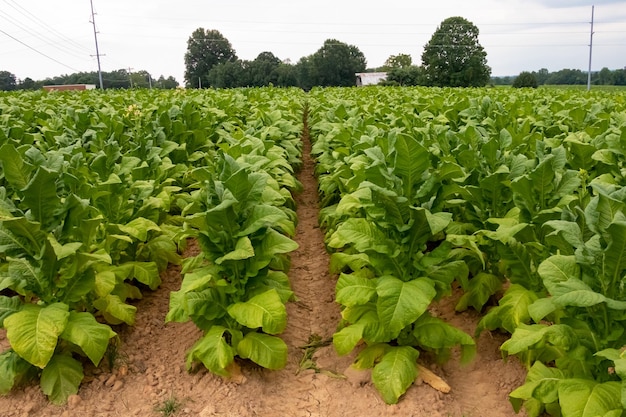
369	78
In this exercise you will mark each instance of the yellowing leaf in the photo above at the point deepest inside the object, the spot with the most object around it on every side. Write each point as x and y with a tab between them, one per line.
34	331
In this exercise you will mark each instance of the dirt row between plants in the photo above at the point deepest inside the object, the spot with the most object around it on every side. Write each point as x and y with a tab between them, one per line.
149	376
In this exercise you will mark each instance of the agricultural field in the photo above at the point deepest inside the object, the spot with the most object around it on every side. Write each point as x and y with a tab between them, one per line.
346	252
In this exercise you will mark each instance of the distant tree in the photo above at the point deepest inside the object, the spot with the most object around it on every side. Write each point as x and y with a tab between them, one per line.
205	49
619	77
397	61
542	76
262	71
567	77
605	77
405	76
506	80
306	73
525	79
336	63
27	84
116	79
166	83
454	58
8	81
286	75
140	79
229	74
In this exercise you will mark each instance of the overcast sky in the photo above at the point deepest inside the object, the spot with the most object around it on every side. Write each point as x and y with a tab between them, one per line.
44	38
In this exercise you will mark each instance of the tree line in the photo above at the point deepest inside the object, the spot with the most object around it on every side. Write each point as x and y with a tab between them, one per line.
565	77
112	79
453	57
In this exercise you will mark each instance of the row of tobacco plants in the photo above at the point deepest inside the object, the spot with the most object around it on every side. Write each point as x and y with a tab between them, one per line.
99	193
517	197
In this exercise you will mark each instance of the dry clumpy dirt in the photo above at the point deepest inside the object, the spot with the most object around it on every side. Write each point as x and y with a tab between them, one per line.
150	366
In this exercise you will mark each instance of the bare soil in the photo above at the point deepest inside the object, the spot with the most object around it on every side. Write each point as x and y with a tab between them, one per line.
149	373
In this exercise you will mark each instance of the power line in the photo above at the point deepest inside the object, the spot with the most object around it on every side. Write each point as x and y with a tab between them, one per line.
24	12
39	52
40	37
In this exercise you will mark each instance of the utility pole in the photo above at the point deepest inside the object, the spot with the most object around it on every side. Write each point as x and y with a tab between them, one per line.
130	76
590	51
95	35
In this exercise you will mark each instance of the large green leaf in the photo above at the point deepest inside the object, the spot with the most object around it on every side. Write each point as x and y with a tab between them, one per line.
363	236
527	337
395	372
601	211
26	272
511	311
139	228
264	215
401	303
34	331
19	235
63	251
347	338
8	306
557	269
566	236
412	159
93	338
16	171
576	293
435	334
145	272
265	310
275	243
243	250
40	194
353	289
246	187
479	290
340	260
61	378
214	351
370	356
615	254
268	351
12	369
115	310
586	398
541	384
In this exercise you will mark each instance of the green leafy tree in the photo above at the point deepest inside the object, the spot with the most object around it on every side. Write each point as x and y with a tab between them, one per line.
166	83
605	77
205	49
140	79
28	84
525	80
567	77
7	81
454	58
619	77
230	74
335	64
306	73
542	76
405	76
262	71
286	75
397	61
